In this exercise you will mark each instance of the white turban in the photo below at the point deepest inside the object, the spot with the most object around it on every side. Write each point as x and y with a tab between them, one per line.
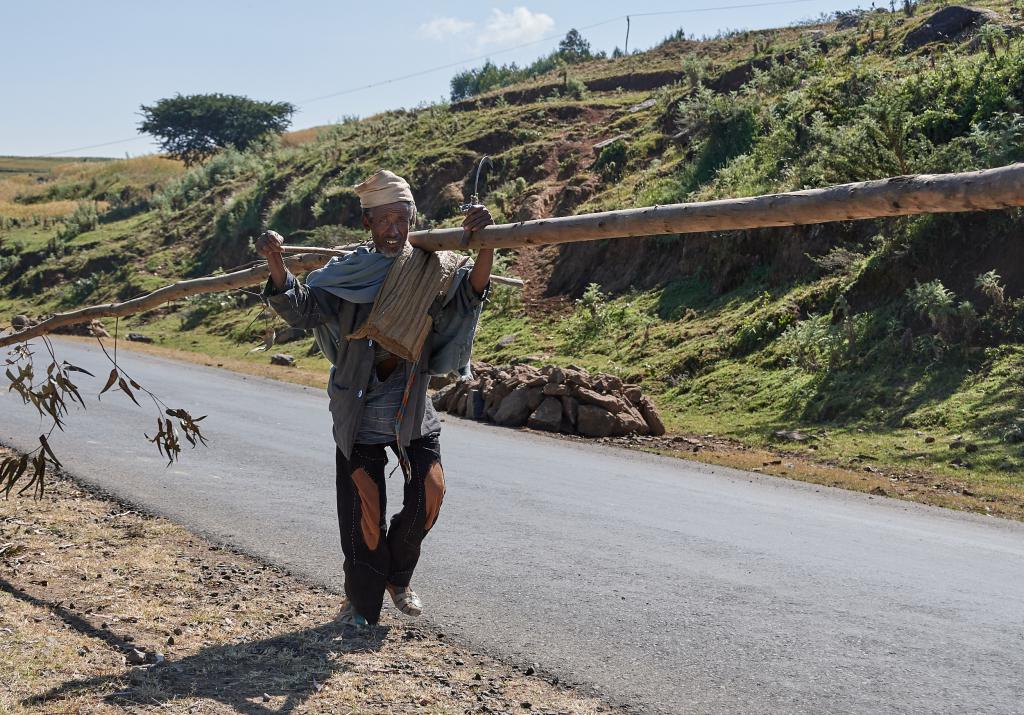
384	187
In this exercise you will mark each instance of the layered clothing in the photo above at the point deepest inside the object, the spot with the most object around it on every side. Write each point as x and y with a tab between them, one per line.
336	301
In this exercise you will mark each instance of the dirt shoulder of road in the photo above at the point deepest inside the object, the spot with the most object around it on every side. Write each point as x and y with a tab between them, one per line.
104	609
870	476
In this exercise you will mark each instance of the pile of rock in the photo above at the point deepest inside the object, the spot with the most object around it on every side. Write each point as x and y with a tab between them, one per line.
567	400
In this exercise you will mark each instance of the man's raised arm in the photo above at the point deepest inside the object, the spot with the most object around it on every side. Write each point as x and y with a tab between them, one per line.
269	245
299	306
476	218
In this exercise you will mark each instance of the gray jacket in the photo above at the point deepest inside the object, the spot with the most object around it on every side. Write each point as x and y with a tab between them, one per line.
303	307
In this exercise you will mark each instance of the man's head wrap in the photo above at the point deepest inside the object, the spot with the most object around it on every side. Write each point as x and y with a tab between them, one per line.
384	187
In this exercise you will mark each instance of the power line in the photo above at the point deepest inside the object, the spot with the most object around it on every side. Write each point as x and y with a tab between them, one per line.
718	7
438	68
458	63
82	149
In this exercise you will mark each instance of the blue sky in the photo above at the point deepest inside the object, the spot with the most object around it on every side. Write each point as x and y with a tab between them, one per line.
77	72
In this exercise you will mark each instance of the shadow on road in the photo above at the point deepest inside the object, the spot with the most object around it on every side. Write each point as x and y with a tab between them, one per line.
271	675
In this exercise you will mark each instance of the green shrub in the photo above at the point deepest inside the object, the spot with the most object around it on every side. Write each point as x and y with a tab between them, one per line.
611	162
952	320
505	301
220	169
696	68
574	88
7	263
589	317
200	307
809	344
719	127
79	290
508	197
84	218
991	287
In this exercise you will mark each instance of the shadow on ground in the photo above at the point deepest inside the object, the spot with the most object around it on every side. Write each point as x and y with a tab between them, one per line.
258	677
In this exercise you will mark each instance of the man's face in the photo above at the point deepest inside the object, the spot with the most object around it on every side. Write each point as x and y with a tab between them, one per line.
389	226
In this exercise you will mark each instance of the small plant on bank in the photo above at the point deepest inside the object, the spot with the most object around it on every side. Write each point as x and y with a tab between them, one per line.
509	196
955	322
809	344
80	289
933	301
695	67
992	37
612	161
505	302
991	287
588	320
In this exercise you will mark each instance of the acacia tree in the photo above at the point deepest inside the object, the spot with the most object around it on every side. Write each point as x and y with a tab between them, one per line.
196	126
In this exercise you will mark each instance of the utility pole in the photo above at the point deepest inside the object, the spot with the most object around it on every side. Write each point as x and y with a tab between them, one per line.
626	51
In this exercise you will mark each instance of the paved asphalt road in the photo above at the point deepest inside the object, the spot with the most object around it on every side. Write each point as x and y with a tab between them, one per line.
669	586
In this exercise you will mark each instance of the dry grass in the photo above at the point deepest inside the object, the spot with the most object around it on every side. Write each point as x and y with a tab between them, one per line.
28	178
150	169
48	209
301	136
13	186
84	581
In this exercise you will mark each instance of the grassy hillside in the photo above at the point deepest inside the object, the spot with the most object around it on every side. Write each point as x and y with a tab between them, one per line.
892	342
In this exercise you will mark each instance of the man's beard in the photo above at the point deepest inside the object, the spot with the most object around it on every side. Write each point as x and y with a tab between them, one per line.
389	249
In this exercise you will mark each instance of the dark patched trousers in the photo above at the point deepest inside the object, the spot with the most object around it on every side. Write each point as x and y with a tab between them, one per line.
377	554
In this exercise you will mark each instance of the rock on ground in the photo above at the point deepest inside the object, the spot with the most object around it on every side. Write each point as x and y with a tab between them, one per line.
568	400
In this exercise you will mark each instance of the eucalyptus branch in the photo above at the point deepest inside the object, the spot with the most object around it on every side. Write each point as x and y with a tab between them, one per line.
52	397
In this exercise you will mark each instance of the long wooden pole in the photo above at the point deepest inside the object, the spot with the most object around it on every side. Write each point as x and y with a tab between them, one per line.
197	286
986	190
899	196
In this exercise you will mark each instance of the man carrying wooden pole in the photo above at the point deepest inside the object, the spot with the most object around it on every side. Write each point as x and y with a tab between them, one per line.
985	190
387	318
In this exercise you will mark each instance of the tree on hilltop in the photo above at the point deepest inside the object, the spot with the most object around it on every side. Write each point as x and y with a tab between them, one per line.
574	47
196	126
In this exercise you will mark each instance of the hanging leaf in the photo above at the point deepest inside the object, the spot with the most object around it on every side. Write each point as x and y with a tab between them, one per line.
49	452
158	437
111	379
11	470
74	368
123	386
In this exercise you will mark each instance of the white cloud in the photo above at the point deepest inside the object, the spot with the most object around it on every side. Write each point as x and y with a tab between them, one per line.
441	28
516	27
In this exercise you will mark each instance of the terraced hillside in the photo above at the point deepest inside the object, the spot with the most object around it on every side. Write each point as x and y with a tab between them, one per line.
894	342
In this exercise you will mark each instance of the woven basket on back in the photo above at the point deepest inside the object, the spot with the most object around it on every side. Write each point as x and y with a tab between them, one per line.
399	320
